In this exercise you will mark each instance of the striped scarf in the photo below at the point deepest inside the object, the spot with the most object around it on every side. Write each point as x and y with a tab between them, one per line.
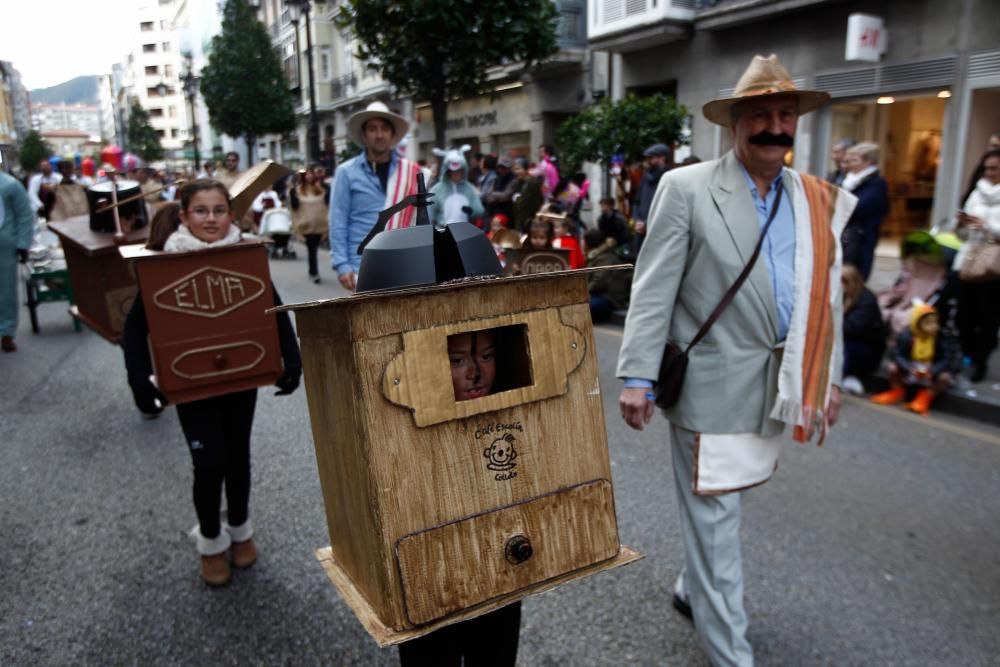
814	346
402	183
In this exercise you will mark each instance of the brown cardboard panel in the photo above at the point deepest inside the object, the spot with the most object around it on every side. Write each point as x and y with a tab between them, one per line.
209	329
386	636
459	565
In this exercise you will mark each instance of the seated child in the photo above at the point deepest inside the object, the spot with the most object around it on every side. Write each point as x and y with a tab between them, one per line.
217	429
609	290
565	240
490	639
864	331
921	358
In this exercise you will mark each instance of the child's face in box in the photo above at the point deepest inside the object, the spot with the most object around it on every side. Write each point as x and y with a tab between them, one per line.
208	216
538	239
473	364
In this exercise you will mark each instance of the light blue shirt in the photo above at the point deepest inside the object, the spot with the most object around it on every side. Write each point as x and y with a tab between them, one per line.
356	199
779	247
778	251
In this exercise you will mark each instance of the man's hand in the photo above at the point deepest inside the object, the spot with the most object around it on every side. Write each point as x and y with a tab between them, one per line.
637	409
833	407
349	280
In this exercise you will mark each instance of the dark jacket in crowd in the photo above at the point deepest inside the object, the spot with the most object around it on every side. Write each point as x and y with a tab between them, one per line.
527	199
498	197
646	191
860	235
612	285
613	225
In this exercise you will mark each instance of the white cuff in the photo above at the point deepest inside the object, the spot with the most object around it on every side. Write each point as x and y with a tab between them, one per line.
212	546
240	533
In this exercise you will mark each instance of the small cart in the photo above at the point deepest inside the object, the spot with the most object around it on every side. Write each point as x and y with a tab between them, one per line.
48	283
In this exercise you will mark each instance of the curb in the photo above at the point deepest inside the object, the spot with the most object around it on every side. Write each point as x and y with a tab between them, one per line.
955	401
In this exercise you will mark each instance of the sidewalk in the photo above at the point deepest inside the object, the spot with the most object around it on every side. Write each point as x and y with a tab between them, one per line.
980	401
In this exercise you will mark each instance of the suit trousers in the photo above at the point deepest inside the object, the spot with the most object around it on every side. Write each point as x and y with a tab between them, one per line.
712	578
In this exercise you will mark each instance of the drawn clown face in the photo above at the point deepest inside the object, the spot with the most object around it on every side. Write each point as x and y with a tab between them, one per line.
501	453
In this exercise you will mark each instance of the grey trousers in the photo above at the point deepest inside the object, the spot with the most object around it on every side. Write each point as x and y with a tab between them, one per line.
712	578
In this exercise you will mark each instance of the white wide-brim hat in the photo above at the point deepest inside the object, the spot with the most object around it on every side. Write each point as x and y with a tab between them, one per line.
764	77
355	123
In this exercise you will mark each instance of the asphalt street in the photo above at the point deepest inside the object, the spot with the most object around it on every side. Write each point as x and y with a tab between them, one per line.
880	548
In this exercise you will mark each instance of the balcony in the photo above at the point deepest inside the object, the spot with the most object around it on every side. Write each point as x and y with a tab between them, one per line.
630	25
718	14
345	86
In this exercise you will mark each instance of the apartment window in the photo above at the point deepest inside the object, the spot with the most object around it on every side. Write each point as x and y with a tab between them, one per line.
161	133
156	112
172	112
166	46
149	48
174	133
290	64
163	24
168	71
146	26
325	65
152	70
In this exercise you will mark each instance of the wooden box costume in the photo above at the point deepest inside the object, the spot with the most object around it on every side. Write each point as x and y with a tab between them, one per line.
440	510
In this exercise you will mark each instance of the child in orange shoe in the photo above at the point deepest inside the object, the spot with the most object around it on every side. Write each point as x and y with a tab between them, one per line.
922	358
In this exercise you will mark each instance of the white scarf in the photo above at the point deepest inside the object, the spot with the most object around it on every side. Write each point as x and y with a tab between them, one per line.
853	179
184	241
989	191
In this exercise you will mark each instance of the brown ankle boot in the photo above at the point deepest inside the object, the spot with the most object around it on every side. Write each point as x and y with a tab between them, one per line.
243	554
8	344
215	569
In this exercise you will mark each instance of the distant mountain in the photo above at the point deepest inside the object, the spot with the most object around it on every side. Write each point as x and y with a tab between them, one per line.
81	90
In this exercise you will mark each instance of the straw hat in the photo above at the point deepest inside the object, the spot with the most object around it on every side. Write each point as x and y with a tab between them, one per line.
376	110
764	77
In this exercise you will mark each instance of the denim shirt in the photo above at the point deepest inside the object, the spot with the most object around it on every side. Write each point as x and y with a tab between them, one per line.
778	251
356	199
779	247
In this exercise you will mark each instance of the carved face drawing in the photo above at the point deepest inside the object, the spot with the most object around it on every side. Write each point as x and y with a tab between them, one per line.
501	453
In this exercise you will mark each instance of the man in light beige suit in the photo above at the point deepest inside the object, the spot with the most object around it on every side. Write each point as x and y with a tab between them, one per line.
772	358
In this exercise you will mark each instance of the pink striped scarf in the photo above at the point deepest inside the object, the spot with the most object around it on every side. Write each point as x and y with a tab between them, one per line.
402	183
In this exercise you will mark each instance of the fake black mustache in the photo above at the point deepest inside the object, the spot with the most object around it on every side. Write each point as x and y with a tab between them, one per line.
765	138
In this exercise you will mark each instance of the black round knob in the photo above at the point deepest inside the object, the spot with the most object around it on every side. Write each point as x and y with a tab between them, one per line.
518	549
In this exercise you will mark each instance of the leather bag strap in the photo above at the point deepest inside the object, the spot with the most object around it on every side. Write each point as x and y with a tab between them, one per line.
731	293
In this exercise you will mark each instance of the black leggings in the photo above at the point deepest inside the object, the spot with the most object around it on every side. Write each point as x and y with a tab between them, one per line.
218	434
489	640
312	245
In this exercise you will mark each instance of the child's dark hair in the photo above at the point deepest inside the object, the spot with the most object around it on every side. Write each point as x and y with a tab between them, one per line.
607	200
191	188
165	222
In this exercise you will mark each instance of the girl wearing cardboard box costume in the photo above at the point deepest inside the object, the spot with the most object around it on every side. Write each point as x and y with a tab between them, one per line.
217	429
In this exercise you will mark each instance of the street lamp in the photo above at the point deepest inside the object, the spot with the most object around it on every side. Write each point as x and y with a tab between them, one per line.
297	8
190	83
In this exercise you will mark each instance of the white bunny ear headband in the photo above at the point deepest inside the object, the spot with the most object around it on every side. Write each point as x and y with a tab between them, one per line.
440	152
465	148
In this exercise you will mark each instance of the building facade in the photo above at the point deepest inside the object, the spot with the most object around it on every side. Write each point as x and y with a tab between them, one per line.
929	100
152	70
80	117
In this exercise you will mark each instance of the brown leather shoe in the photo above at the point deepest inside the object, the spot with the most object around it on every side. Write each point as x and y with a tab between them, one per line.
215	570
243	554
7	344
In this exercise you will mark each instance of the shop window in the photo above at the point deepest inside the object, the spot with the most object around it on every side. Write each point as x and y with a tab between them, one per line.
489	361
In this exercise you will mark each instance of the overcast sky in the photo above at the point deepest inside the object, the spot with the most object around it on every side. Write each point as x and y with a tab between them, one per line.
51	41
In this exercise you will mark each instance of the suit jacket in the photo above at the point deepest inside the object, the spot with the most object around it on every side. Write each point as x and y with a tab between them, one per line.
701	232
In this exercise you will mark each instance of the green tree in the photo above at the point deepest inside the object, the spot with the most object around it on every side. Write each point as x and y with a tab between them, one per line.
142	138
438	50
33	150
243	85
624	127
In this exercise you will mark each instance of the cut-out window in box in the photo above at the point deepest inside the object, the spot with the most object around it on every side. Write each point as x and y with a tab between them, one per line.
489	361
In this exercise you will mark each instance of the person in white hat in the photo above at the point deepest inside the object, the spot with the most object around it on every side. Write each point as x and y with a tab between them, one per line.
367	184
771	357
